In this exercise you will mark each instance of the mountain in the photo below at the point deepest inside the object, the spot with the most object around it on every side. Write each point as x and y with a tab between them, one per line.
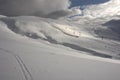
34	48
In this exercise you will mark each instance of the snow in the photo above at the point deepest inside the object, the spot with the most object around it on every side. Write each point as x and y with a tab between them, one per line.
34	48
84	45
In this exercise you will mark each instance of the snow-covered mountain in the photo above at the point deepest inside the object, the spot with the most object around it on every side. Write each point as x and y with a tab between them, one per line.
34	48
67	48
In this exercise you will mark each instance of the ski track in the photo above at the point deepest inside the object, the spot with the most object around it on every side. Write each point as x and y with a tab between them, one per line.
24	69
27	74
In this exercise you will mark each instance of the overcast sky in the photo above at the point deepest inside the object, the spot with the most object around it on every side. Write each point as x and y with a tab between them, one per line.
25	7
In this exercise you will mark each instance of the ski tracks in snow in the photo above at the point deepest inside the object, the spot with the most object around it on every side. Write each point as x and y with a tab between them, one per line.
27	74
24	69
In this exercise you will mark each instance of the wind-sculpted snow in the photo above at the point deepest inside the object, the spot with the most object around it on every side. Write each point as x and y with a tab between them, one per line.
45	49
64	33
39	27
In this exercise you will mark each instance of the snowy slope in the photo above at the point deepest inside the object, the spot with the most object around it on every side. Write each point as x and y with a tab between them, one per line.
34	48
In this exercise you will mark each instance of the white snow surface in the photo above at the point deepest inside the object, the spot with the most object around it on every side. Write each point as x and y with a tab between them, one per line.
34	48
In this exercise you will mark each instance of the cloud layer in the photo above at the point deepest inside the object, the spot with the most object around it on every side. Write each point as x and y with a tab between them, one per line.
109	8
57	8
32	7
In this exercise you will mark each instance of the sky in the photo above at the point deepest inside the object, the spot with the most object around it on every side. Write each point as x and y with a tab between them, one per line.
36	7
86	2
58	8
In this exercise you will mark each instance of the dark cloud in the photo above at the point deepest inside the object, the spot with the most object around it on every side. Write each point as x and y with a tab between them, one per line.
58	14
33	7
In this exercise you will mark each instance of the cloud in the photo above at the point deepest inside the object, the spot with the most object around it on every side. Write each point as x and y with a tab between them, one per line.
74	11
32	7
109	8
57	8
